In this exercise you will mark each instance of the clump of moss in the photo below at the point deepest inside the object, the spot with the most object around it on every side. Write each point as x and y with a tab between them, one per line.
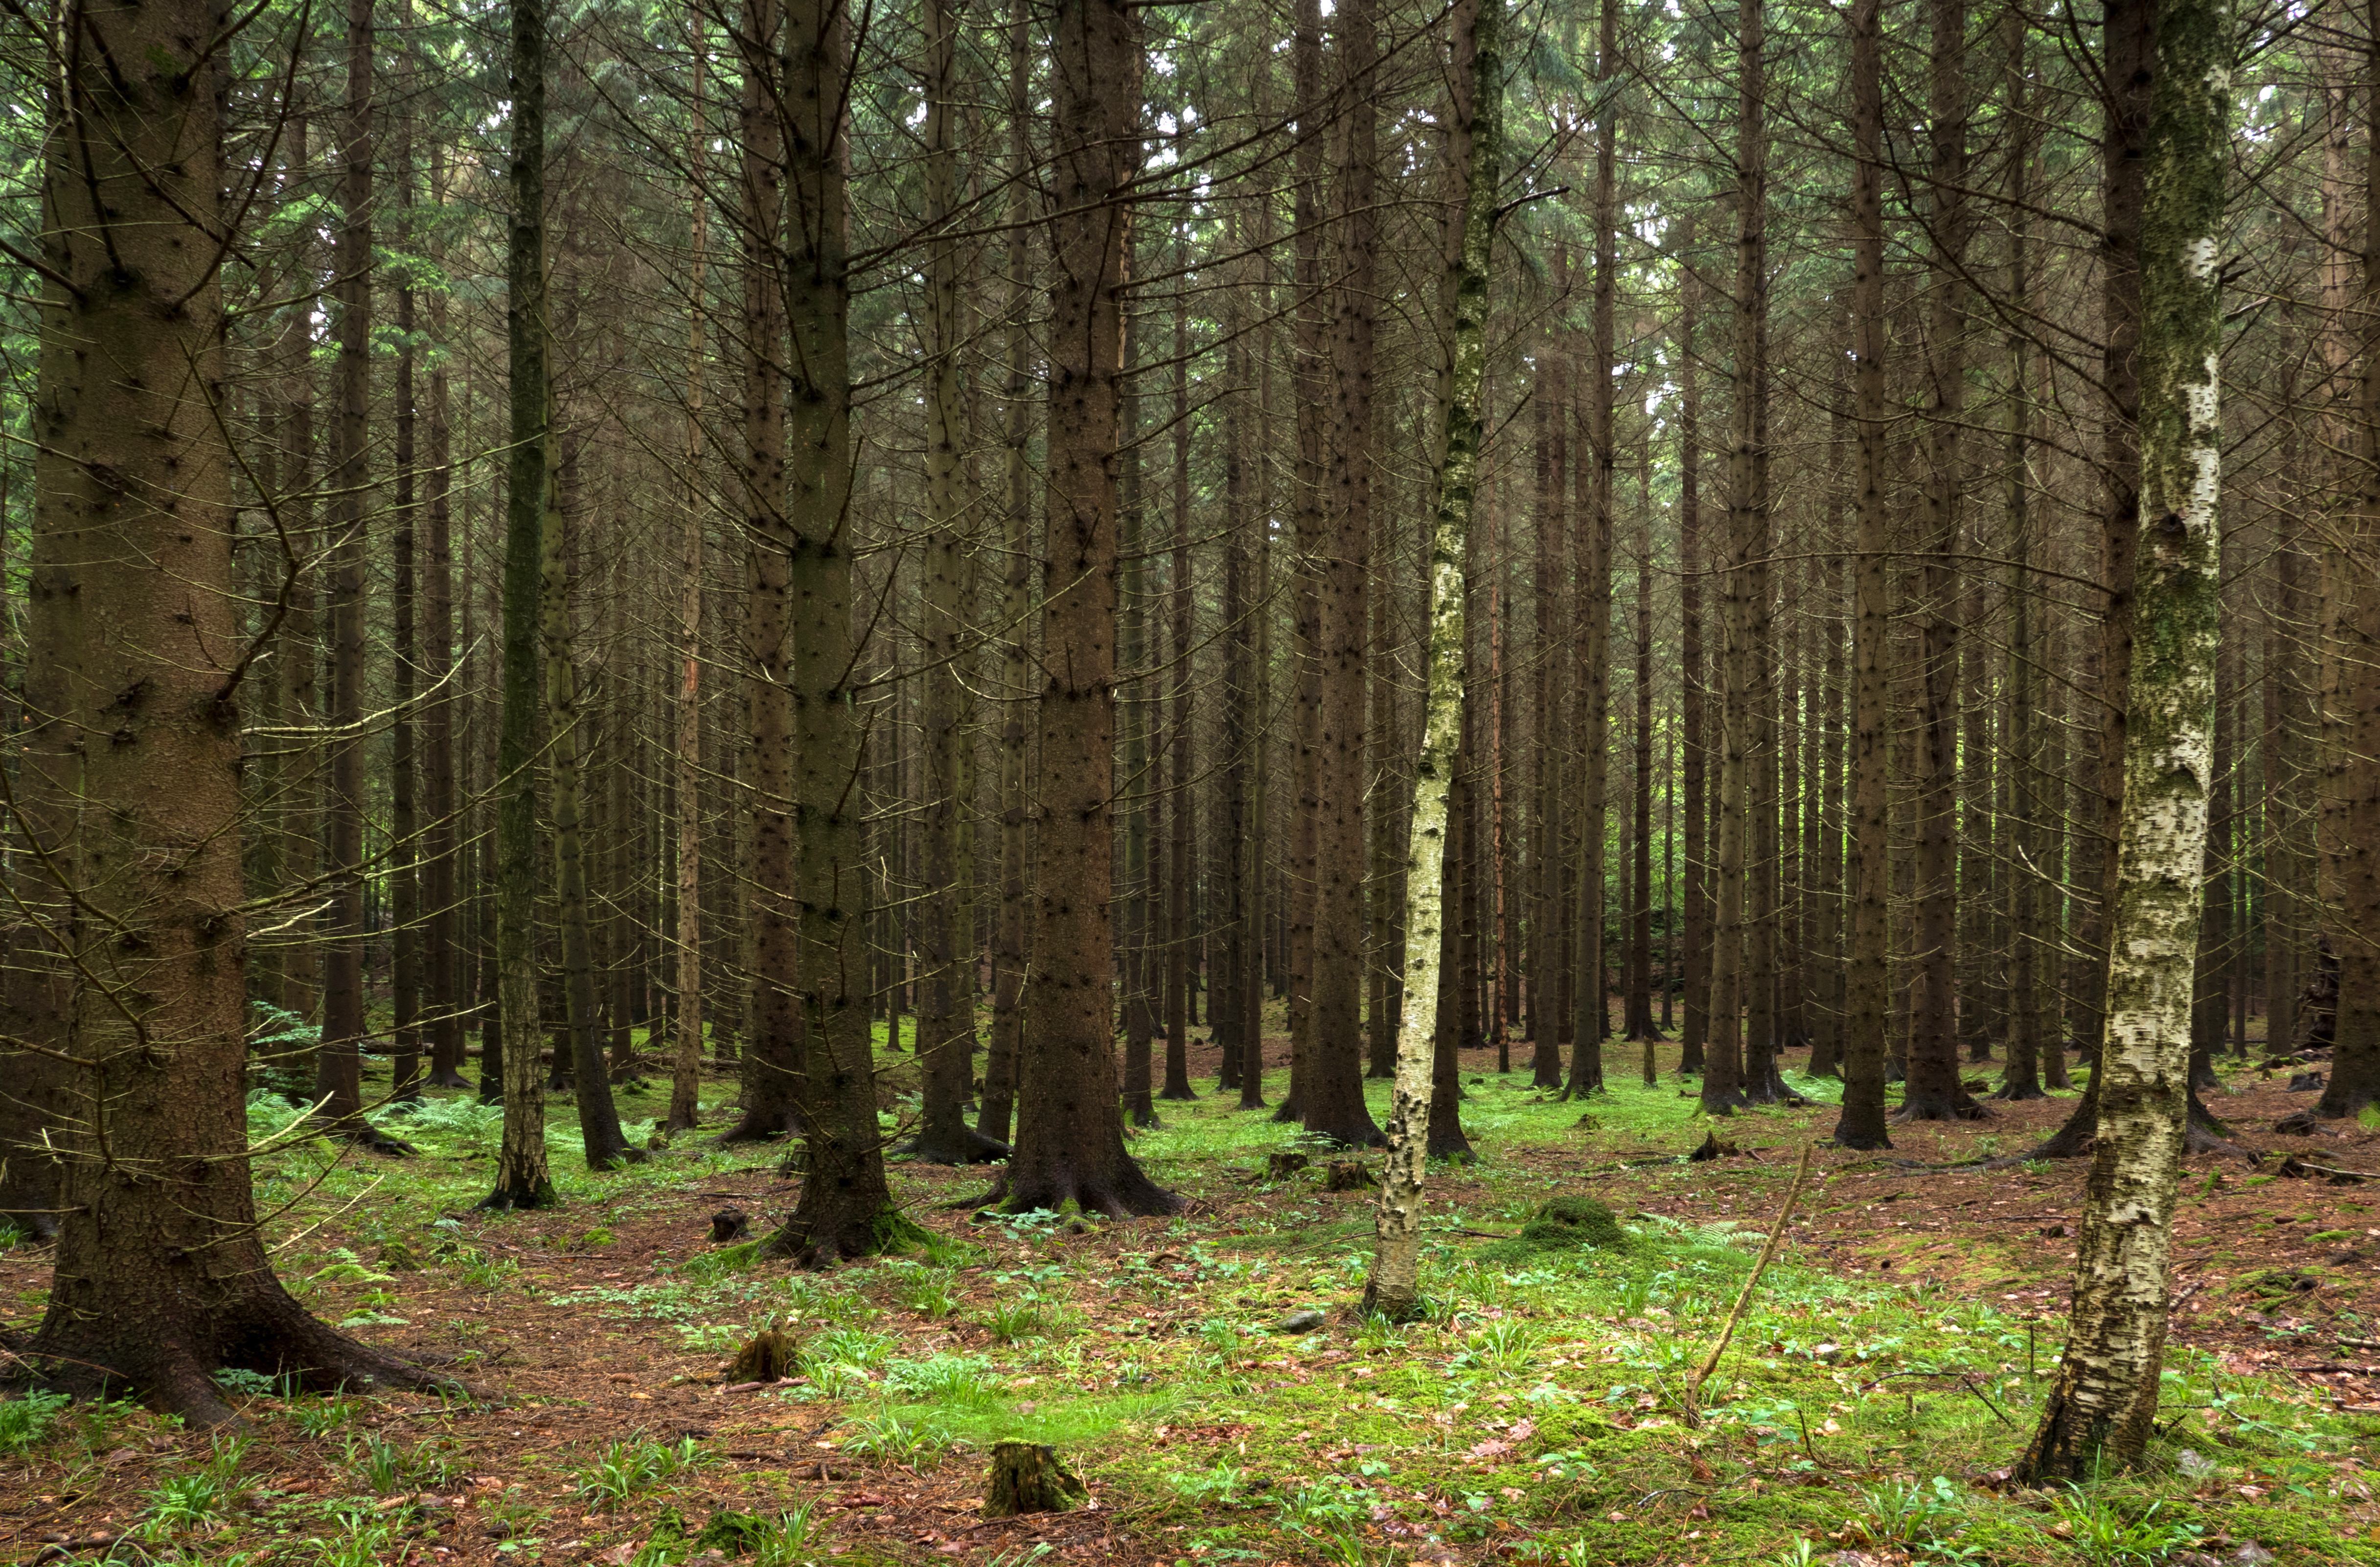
1562	1224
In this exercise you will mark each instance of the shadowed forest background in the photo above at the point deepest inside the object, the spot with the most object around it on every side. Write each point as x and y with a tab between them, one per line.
653	649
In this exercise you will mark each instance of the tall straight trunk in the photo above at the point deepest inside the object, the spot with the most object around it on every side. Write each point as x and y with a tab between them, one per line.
2348	836
598	1121
162	1277
1016	511
1550	409
1933	1092
1639	1009
1393	1288
521	1179
1333	1096
1828	890
845	1209
2102	1409
686	1056
1385	812
2030	944
1589	1020
404	873
1310	363
1748	504
1136	797
2129	68
1867	969
443	930
946	1018
773	1043
1235	949
338	1076
1257	869
1181	795
1069	1131
300	653
1694	1037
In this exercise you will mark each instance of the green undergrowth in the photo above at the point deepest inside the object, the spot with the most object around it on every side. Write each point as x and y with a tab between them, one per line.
1538	1412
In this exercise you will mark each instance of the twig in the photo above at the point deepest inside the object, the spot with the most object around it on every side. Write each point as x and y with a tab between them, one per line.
1767	1254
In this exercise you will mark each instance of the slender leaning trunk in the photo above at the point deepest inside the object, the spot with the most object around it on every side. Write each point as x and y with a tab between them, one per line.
2102	1409
1394	1288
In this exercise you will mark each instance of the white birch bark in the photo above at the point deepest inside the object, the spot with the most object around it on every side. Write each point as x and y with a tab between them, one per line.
2102	1409
1394	1288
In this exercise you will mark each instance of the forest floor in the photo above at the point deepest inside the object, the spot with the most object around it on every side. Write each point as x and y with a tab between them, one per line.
1886	1375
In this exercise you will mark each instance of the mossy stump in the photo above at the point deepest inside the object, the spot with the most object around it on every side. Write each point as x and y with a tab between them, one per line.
1030	1477
1347	1175
770	1357
1281	1166
729	1224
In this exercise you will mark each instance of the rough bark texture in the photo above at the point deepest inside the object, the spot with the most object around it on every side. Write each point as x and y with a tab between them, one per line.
1070	1129
773	1045
1394	1286
1866	971
685	1060
338	1075
2350	827
1933	1092
1015	679
946	929
845	1209
2102	1410
160	1276
521	1180
1332	1098
599	1118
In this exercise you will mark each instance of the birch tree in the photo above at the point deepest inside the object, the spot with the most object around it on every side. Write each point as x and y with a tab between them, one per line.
1394	1288
2102	1408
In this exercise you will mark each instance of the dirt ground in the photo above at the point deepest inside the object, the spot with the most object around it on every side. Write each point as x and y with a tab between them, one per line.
2276	1272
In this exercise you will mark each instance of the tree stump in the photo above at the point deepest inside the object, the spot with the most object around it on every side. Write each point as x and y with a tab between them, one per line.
728	1224
1281	1166
770	1357
1029	1477
1346	1175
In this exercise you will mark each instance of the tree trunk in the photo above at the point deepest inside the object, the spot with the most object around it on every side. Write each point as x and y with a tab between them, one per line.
1476	148
1933	1092
2349	828
1333	1098
405	801
521	1180
1069	1131
686	1058
2030	1032
946	1020
338	1077
1181	795
2102	1409
1694	1037
159	1282
1589	1019
1550	409
1748	504
1867	971
1015	680
845	1209
599	1120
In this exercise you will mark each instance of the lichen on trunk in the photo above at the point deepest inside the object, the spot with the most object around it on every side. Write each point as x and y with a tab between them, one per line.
2102	1409
1394	1287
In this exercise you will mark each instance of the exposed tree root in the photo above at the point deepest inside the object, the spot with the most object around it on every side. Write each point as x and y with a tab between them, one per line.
966	1147
170	1362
